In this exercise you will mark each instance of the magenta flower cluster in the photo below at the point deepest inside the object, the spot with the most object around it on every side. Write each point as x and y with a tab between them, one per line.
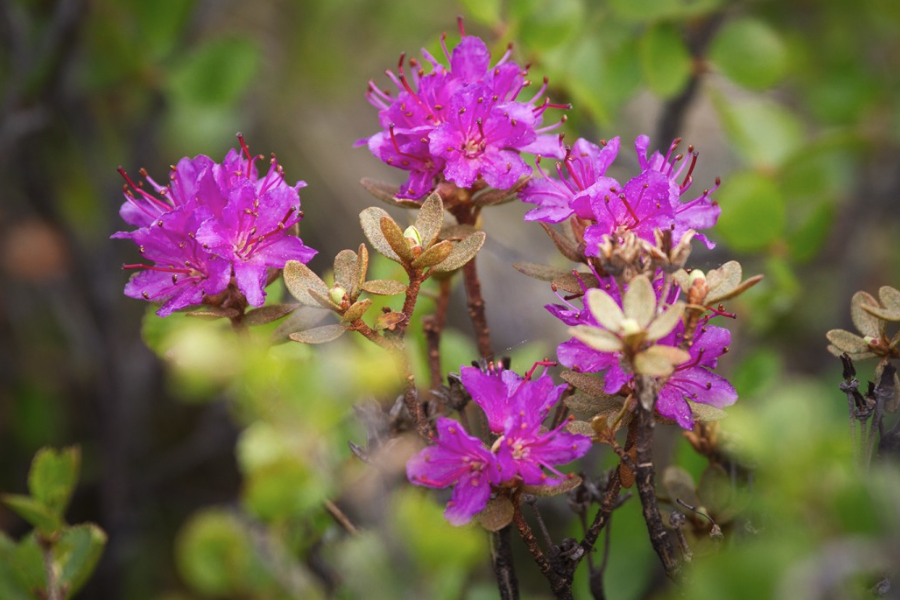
213	225
521	454
693	381
460	123
652	200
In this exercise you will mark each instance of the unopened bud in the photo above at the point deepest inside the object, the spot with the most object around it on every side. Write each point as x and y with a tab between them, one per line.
412	236
337	294
630	326
695	275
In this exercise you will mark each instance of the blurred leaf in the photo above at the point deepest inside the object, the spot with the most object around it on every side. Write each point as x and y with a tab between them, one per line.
541	272
654	10
764	133
346	270
568	484
268	314
215	556
706	413
386	192
483	11
77	552
319	335
753	212
750	52
665	60
497	514
161	24
33	511
679	485
847	342
10	588
757	373
807	236
216	73
53	477
575	284
384	287
299	279
546	25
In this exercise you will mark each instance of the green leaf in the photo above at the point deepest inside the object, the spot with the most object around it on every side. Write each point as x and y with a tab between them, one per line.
10	586
462	252
655	10
216	73
665	60
370	220
384	287
77	553
430	219
753	212
706	413
764	133
486	12
665	322
37	514
546	25
299	279
749	52
319	335
679	484
213	312
395	238
847	342
53	476
865	322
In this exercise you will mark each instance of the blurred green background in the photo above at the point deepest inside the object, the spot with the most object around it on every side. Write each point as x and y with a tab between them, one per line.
207	463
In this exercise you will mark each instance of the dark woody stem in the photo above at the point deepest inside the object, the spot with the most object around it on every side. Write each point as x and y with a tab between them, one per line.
644	473
434	326
467	214
502	561
561	586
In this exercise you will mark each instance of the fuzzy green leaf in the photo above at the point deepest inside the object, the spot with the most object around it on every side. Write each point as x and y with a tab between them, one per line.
596	338
35	512
53	476
389	320
497	514
750	53
665	322
356	310
213	312
78	552
346	271
268	314
362	266
541	272
706	413
370	220
384	287
865	322
434	255
589	383
462	252
753	212
665	60
604	309
659	361
430	219
588	405
299	279
639	302
847	342
395	238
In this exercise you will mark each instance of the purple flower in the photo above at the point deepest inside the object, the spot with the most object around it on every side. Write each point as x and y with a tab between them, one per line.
503	394
214	224
457	459
462	123
524	452
695	381
649	201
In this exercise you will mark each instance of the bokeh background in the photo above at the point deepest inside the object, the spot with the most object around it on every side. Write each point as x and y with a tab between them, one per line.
207	465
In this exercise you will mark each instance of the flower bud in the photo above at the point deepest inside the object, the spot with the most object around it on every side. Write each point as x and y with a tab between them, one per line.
630	326
412	236
695	275
337	294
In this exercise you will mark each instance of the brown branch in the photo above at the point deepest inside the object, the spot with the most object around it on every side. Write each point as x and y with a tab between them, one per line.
340	518
659	536
433	326
502	562
560	584
477	314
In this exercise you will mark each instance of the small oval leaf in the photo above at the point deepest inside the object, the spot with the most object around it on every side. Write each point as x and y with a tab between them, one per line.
268	314
319	335
462	252
346	270
497	514
571	482
430	219
299	279
356	310
387	192
370	220
384	287
437	253
847	342
541	272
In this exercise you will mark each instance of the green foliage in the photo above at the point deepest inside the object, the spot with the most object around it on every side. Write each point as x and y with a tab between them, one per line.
665	60
749	52
753	212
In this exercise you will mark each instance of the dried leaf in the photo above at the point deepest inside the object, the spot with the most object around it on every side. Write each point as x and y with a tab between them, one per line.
541	272
356	310
493	197
387	193
891	388
679	484
596	338
437	253
723	280
719	297
586	382
847	342
346	271
319	335
462	252
214	312
299	279
370	220
665	322
575	284
890	298
395	238
580	428
267	314
639	302
566	247
605	309
570	483
362	265
430	219
581	403
456	232
384	287
706	413
659	361
389	321
497	514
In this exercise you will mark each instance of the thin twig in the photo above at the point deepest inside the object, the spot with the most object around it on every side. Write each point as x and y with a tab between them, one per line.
338	515
434	327
502	561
